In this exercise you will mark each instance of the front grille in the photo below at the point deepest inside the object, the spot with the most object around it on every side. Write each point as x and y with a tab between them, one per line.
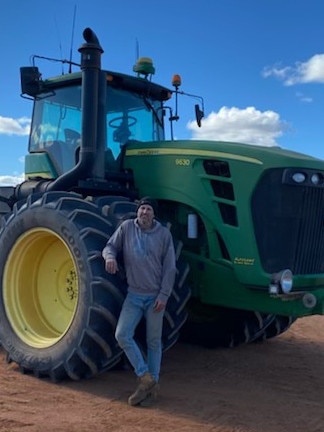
289	224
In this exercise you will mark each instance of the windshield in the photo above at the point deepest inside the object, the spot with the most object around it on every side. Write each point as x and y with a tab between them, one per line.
56	126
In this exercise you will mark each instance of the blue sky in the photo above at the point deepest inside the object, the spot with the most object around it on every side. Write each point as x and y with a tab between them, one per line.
258	64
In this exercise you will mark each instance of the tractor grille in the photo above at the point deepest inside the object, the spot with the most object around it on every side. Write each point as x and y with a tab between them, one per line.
288	217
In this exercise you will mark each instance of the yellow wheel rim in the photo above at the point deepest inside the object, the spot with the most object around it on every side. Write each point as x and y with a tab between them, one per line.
40	288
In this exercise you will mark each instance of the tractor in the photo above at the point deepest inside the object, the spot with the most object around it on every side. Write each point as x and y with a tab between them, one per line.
246	222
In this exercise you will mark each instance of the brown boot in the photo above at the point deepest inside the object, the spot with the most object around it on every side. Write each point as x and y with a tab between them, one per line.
146	383
151	397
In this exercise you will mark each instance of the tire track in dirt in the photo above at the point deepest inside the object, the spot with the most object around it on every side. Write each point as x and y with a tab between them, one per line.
275	386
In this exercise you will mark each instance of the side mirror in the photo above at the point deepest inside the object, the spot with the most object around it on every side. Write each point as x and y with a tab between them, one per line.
30	81
199	114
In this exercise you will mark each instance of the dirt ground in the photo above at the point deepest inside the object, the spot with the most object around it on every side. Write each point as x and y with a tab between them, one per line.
277	386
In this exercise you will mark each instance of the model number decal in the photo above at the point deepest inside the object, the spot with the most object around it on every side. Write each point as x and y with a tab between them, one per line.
182	162
244	261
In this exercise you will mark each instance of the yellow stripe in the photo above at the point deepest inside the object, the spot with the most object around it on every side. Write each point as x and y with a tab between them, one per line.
30	176
189	152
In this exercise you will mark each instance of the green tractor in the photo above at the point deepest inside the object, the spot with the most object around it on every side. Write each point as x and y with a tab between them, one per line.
246	221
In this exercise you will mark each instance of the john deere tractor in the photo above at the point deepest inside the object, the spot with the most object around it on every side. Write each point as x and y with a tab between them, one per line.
247	223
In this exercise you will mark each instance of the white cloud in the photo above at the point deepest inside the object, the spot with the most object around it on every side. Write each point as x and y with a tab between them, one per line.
304	98
311	71
248	125
10	126
11	180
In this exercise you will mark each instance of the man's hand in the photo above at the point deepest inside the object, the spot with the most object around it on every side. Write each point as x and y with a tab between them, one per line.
111	265
158	305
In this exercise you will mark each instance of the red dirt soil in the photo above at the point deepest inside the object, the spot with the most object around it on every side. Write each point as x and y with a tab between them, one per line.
274	386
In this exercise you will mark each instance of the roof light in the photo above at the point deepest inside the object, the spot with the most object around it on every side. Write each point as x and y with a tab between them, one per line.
176	80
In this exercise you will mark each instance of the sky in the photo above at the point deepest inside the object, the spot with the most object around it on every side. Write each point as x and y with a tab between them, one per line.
257	64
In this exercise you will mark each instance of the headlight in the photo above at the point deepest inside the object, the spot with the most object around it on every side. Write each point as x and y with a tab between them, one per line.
281	282
299	177
286	281
315	179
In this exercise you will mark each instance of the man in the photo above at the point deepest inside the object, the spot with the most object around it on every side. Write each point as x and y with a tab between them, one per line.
149	260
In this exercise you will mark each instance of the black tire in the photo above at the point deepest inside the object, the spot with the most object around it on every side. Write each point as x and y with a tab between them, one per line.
214	326
58	306
279	325
176	313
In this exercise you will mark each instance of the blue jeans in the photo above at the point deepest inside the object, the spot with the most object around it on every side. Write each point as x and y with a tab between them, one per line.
134	308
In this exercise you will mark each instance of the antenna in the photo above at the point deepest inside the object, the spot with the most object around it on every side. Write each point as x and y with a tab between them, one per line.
60	44
72	36
137	51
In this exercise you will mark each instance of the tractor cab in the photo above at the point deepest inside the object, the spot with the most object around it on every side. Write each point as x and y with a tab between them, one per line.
130	109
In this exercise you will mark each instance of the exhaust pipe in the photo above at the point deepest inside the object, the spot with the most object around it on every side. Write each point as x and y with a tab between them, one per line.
91	163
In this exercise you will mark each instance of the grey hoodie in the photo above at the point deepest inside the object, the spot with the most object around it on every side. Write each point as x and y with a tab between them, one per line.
149	257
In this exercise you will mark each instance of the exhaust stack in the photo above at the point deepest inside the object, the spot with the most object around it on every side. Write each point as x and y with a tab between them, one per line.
91	158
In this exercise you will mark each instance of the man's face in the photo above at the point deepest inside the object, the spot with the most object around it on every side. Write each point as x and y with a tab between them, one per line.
145	216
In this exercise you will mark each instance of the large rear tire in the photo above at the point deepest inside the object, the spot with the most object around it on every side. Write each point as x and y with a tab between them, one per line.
58	306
